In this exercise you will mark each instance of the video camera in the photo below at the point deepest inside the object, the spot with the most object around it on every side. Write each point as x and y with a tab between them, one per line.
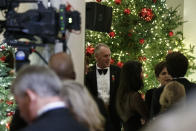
48	24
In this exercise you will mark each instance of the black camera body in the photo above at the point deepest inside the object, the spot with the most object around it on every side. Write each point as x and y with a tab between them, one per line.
43	22
4	4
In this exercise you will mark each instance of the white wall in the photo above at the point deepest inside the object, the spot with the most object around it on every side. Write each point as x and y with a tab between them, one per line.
180	5
190	26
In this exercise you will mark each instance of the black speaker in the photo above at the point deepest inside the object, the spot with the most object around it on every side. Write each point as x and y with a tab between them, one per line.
98	17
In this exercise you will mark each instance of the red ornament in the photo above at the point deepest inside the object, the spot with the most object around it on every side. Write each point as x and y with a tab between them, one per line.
9	102
33	50
127	11
146	14
10	113
120	64
154	1
8	126
68	7
171	33
141	41
129	34
118	2
112	34
3	58
146	75
90	50
144	58
2	47
98	0
112	61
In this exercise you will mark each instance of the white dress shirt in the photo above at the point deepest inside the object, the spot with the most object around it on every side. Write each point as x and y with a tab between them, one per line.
51	106
103	85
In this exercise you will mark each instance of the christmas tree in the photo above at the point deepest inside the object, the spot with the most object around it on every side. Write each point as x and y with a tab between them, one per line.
144	30
7	105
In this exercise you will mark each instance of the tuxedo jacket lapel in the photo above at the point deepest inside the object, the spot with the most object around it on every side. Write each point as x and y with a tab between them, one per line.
94	78
112	75
91	81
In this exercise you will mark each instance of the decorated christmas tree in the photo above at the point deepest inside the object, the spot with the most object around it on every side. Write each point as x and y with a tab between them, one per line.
6	99
144	30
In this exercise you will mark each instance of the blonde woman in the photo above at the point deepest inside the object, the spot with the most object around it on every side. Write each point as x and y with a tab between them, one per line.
82	105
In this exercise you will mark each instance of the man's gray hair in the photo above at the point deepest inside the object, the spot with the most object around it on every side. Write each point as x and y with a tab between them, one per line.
39	79
96	51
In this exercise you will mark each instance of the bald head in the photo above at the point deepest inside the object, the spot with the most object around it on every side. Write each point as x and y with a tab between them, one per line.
62	64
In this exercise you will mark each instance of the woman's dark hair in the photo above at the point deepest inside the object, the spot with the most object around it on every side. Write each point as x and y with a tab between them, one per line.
177	64
130	81
130	77
159	67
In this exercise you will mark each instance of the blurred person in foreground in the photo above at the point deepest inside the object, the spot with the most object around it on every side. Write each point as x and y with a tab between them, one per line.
63	66
36	90
180	118
130	106
61	63
82	105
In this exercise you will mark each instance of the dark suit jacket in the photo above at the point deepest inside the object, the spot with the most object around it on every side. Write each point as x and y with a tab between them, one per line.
55	120
148	97
91	83
155	105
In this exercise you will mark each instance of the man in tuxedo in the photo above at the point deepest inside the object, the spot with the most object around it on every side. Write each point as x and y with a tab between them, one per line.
177	66
36	90
102	80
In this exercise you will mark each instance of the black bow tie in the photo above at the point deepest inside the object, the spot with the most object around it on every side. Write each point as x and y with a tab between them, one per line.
102	71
